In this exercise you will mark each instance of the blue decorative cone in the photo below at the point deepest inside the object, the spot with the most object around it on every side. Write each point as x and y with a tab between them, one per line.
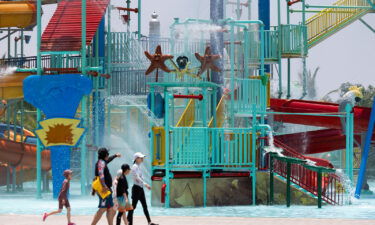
58	96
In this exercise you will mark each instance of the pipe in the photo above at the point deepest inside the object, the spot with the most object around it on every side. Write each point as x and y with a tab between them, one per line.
280	92
199	97
290	3
128	9
139	19
264	126
336	7
371	3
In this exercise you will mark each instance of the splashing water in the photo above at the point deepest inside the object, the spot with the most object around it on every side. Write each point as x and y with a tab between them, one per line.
348	187
139	103
272	148
195	30
5	71
127	145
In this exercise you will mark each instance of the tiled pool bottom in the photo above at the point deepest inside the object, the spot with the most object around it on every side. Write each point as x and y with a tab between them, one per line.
25	203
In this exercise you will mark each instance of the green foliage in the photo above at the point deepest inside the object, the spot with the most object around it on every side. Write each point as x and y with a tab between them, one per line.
368	93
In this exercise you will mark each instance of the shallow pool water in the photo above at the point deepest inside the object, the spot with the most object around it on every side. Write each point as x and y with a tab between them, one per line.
25	203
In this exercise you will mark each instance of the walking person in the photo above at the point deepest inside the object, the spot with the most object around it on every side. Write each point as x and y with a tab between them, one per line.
138	193
63	198
102	171
120	187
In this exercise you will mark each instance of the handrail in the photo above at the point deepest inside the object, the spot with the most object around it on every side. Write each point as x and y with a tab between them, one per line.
220	113
187	118
332	187
330	20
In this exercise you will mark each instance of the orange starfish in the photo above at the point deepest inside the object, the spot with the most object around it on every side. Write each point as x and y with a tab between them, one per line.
157	62
207	62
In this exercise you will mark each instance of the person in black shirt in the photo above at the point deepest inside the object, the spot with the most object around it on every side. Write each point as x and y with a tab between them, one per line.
122	193
102	171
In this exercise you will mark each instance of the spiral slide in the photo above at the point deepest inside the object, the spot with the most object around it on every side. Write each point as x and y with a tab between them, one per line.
21	14
14	151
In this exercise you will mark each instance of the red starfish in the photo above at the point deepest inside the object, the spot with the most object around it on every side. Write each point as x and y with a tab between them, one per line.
157	62
207	62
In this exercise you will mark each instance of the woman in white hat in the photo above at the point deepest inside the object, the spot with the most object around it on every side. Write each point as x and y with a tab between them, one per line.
138	193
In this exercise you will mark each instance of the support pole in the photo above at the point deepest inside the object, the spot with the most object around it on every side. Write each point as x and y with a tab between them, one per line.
139	19
84	98
9	34
288	95
349	143
8	178
253	154
167	145
38	113
280	92
204	177
271	180
232	75
319	189
217	41
14	177
305	49
264	16
109	69
366	150
15	48
288	173
22	43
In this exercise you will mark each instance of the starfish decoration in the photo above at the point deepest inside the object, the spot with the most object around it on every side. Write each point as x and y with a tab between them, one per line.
207	62
157	62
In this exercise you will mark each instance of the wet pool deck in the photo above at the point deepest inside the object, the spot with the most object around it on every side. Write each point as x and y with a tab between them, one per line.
173	220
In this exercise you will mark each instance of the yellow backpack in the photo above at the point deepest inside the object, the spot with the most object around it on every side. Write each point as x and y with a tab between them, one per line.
97	186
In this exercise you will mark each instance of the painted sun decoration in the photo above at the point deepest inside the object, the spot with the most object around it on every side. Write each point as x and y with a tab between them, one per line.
60	131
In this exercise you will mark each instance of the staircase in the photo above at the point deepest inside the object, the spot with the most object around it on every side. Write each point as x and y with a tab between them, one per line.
332	185
63	32
331	20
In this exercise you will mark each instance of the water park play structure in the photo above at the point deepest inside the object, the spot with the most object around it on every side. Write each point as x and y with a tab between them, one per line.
213	122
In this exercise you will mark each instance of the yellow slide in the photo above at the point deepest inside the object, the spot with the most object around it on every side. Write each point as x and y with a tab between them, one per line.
21	14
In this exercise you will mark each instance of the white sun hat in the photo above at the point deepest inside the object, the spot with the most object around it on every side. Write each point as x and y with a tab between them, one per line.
138	155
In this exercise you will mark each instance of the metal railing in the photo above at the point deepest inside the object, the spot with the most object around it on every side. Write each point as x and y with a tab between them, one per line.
189	147
332	185
271	42
331	20
231	147
292	40
211	147
250	92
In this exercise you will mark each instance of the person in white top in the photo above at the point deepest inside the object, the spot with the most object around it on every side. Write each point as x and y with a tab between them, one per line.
138	193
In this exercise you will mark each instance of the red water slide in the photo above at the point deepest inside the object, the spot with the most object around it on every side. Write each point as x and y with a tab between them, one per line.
319	141
361	114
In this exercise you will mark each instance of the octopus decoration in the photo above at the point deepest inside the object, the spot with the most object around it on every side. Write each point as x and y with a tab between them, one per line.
157	62
207	62
182	68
